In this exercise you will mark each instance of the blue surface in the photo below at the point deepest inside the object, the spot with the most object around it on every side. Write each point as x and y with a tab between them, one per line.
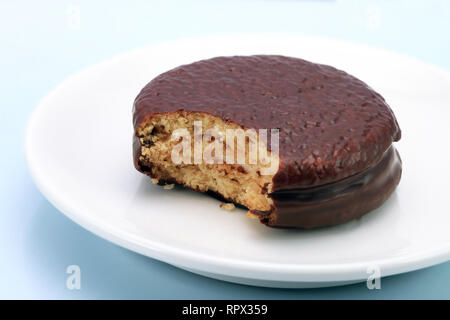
42	44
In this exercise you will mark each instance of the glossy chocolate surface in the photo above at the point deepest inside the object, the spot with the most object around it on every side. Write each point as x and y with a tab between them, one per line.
337	202
332	125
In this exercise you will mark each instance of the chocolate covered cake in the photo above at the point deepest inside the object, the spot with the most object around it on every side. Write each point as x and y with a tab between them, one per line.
333	155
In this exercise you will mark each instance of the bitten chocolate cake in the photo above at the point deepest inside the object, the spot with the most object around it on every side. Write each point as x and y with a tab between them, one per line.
334	160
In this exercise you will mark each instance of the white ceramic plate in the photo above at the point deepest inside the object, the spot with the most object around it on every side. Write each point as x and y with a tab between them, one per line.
78	147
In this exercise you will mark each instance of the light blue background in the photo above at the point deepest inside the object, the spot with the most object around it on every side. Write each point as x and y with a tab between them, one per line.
40	47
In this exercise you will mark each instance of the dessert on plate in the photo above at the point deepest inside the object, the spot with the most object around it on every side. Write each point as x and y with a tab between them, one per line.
299	144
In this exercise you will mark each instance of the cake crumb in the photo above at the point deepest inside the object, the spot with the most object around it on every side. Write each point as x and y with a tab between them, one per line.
155	181
168	186
227	206
251	215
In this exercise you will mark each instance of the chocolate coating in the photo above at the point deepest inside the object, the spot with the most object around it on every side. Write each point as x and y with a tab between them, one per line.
332	125
337	161
337	202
